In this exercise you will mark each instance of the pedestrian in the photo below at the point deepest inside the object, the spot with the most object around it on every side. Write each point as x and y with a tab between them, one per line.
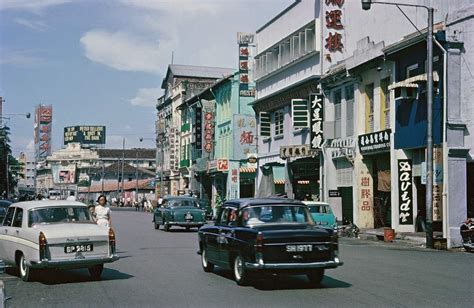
71	197
102	213
91	209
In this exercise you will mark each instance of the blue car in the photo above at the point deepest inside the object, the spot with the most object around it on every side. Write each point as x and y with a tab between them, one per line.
322	213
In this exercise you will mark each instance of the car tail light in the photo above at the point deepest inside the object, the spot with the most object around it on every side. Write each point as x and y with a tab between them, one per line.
42	245
259	242
111	241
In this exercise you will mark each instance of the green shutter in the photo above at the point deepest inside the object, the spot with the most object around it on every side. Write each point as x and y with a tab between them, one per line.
264	124
299	113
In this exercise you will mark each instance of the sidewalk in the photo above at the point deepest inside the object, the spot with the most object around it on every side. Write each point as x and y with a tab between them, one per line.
415	239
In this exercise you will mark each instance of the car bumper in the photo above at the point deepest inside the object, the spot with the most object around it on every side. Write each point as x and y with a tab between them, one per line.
293	266
75	263
186	223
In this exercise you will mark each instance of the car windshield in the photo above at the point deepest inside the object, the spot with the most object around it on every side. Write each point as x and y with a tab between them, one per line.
319	209
276	214
176	202
59	215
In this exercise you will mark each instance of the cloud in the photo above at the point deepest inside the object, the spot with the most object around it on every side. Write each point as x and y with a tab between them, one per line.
30	5
34	25
146	97
176	6
125	52
21	58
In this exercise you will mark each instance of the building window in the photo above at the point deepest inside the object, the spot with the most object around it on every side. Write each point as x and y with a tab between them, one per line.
369	108
412	70
278	120
299	113
337	96
265	124
384	104
349	96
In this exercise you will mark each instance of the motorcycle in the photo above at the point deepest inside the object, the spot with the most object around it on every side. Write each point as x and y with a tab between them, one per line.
467	235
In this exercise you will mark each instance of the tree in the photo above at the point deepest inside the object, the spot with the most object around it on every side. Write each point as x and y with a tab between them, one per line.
5	152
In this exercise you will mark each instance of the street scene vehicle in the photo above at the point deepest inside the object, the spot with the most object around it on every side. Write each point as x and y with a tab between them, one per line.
322	213
179	211
4	204
272	235
54	234
467	235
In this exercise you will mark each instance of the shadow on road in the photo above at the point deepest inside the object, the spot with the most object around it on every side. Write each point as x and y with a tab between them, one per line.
182	230
287	282
53	277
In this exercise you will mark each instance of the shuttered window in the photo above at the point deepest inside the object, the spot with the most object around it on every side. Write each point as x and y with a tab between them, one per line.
265	124
299	113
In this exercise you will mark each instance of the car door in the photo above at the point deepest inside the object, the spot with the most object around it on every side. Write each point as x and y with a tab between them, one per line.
6	242
213	238
160	212
226	234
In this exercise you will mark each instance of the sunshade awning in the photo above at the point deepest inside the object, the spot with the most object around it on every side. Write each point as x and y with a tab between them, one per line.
412	82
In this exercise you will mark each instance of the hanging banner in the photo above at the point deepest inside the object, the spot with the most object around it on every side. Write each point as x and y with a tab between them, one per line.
405	192
317	118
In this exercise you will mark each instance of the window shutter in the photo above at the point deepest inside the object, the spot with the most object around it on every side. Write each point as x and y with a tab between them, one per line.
299	113
264	124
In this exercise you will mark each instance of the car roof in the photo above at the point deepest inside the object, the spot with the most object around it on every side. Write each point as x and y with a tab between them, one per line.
244	202
179	197
28	205
5	203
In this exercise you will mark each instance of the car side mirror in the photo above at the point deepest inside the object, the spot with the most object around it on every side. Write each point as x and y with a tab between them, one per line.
233	224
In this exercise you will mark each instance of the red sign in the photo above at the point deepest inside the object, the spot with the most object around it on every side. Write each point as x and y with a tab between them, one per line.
222	165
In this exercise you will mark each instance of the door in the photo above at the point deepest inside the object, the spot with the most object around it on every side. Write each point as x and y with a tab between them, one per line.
213	238
6	238
226	235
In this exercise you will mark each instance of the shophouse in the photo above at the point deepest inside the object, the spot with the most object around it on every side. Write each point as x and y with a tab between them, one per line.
180	83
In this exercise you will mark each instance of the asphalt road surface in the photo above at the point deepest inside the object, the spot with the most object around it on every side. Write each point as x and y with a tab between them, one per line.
160	269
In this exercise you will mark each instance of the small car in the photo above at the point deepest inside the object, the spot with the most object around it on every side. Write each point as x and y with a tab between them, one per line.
54	234
322	213
268	235
180	211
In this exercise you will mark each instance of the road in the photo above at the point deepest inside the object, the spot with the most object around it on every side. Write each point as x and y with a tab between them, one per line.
160	269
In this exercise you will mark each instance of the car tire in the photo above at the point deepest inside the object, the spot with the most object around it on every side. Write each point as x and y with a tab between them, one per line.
241	274
25	270
96	271
167	226
206	265
157	225
315	277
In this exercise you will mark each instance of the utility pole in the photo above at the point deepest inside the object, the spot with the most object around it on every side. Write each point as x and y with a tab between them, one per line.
136	175
123	163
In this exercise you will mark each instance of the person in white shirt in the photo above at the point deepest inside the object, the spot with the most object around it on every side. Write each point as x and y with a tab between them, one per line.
102	213
71	197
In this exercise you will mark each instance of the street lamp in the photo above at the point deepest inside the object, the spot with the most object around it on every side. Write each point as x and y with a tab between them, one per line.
158	143
429	127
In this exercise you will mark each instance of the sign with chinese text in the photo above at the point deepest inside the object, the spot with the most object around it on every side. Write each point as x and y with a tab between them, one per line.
43	130
84	134
296	151
208	125
223	165
244	39
375	142
334	26
233	180
244	131
317	118
365	196
405	192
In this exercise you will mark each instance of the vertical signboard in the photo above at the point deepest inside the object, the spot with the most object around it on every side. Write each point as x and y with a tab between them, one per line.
208	125
334	30
233	181
245	130
317	118
43	128
197	134
244	39
405	192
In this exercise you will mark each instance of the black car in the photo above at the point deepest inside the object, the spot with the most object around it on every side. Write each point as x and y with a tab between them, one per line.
4	204
273	235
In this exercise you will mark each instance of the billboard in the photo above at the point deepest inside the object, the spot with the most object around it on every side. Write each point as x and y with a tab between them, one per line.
63	174
84	134
43	128
245	130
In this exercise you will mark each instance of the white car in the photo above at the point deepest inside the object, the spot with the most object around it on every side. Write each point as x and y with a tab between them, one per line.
54	234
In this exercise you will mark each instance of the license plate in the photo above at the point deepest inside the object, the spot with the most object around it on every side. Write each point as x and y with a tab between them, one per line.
78	248
299	248
188	216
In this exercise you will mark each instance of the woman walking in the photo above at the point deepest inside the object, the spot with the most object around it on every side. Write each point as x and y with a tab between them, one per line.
102	213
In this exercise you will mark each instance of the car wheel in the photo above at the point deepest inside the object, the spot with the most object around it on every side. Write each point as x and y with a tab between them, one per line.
25	270
206	265
316	276
241	274
157	225
95	271
167	226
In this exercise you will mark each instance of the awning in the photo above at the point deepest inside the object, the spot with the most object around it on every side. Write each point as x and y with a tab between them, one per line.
303	182
279	175
247	170
412	82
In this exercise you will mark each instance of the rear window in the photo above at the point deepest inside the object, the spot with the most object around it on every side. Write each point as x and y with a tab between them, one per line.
182	203
59	215
276	214
320	209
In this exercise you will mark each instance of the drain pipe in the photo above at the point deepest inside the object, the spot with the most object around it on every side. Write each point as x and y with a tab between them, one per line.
445	147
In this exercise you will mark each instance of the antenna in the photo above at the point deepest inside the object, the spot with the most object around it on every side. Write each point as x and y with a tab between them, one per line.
172	57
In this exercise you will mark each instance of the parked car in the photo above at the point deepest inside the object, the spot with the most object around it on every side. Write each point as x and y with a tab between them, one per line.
4	204
54	234
322	213
272	235
180	211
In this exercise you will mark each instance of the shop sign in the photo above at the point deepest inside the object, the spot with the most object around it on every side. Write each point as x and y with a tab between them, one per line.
212	166
296	151
334	18
233	180
317	118
375	142
208	131
222	165
243	40
252	160
244	131
334	193
366	192
405	192
437	167
437	202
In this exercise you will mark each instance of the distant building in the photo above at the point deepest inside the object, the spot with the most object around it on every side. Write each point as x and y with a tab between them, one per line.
26	183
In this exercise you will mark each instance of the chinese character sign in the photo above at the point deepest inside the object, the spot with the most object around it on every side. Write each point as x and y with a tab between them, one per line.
245	130
405	192
334	25
244	39
317	118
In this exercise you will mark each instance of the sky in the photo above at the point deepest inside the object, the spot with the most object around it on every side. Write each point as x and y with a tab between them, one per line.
101	62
